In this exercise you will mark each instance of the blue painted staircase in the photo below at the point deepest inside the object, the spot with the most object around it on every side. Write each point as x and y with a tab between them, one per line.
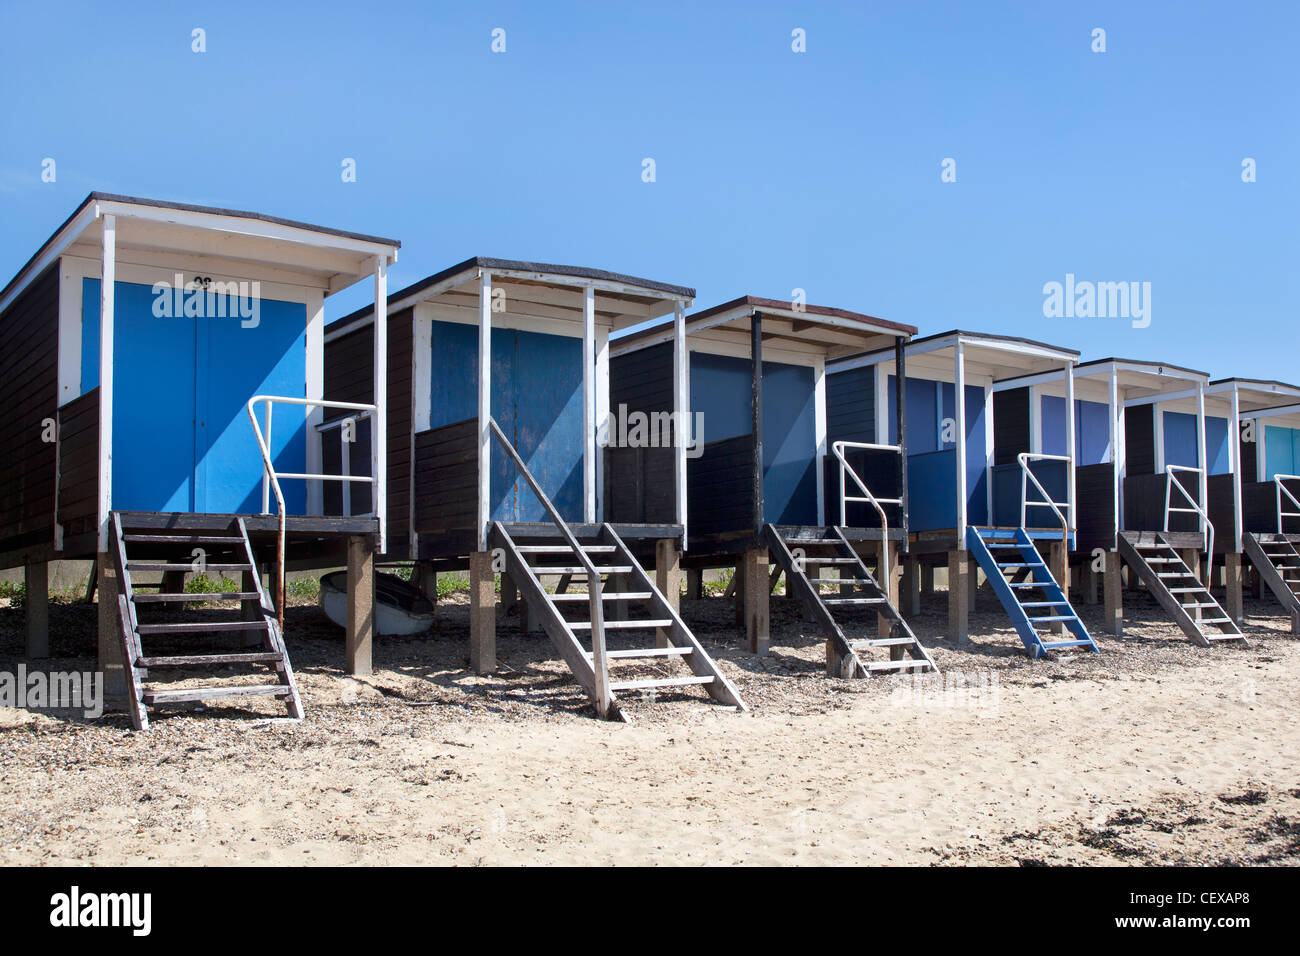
1025	586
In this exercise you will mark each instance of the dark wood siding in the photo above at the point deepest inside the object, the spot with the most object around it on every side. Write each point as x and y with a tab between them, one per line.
720	488
79	465
1222	514
1140	441
639	486
29	394
349	377
1094	490
882	473
446	479
1144	503
1249	466
1011	432
851	406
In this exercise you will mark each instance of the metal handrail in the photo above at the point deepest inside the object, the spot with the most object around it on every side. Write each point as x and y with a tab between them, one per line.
1026	476
599	664
846	470
1284	490
1207	526
271	478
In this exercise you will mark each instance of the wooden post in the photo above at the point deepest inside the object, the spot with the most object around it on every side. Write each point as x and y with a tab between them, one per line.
911	588
972	581
1232	586
755	600
509	598
738	592
1059	564
361	605
1112	584
927	578
891	585
1089	579
36	603
482	614
668	579
694	584
615	610
958	599
110	630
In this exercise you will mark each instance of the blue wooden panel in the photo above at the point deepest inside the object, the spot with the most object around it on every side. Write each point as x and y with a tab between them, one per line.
1091	429
181	436
1216	445
547	379
932	491
928	405
977	504
789	445
537	401
721	388
1181	446
235	363
1281	451
922	415
1007	483
153	398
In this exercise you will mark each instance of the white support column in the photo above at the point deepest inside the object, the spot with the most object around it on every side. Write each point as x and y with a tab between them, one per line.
315	349
959	406
1112	436
421	404
1158	430
1234	466
988	451
108	276
819	434
1069	445
1203	482
379	421
484	406
602	416
681	399
883	420
588	405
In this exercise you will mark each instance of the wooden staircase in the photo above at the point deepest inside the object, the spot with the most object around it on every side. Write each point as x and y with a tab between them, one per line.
627	602
845	657
1167	576
145	547
1025	586
1278	562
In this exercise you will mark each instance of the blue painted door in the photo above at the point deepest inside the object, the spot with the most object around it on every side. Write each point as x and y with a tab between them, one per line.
537	401
181	436
1281	451
1091	429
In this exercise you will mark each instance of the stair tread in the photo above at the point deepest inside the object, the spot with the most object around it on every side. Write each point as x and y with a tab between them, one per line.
657	682
564	548
881	642
1051	618
202	627
214	693
545	569
185	660
185	538
145	565
855	600
605	595
638	652
907	663
1079	642
197	596
622	625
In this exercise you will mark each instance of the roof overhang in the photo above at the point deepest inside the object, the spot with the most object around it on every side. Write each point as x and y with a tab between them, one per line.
535	290
148	232
995	357
813	329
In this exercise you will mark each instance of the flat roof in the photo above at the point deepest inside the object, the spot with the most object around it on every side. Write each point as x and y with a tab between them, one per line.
58	237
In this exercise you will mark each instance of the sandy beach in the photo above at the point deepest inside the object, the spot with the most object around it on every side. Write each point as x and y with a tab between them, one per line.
1154	751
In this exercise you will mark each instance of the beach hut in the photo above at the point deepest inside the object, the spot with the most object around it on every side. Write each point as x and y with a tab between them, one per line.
504	456
771	447
1151	454
982	487
163	378
1257	510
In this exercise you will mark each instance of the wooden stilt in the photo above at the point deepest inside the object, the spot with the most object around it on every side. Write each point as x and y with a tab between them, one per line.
1090	576
361	605
736	591
510	597
1112	582
482	614
1232	587
36	602
927	579
958	598
972	582
110	630
1059	562
668	580
755	600
911	588
694	584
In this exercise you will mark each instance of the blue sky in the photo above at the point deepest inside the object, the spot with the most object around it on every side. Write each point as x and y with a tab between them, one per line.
775	170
